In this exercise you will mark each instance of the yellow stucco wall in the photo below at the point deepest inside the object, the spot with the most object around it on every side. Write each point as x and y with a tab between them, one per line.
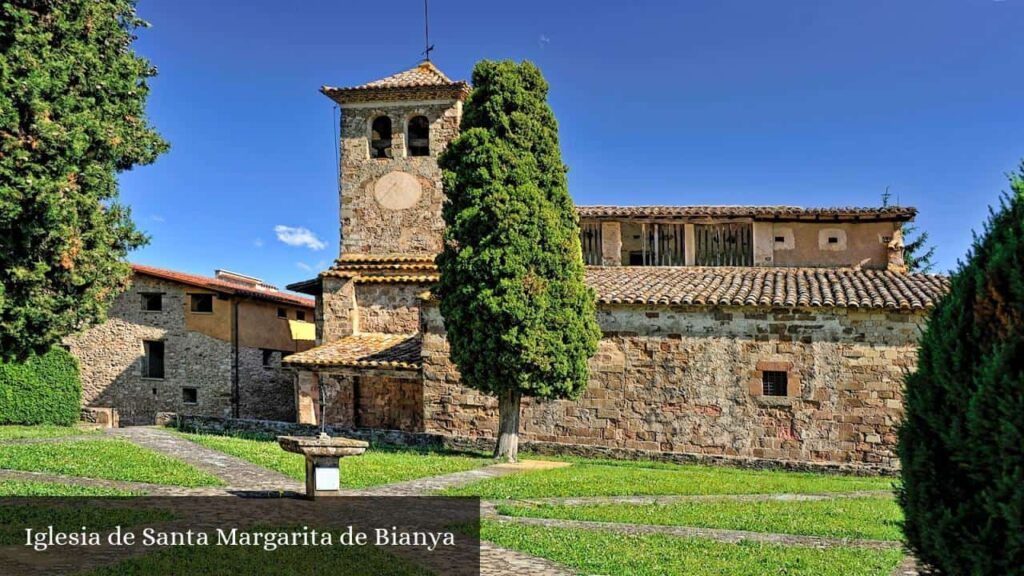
258	323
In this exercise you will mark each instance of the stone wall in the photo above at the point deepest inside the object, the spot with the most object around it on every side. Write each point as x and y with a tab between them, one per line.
366	226
687	380
111	357
389	308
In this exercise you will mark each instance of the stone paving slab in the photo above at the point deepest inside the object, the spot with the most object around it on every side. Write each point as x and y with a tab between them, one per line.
235	472
907	568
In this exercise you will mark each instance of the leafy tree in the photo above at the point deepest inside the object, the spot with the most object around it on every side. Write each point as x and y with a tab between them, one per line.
962	443
72	115
519	317
917	253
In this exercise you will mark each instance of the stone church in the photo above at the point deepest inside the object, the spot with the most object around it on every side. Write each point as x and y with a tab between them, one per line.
755	333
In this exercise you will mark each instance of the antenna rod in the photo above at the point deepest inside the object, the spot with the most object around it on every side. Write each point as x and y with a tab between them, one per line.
426	29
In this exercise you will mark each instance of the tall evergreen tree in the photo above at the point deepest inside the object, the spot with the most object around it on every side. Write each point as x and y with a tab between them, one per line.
962	443
520	319
72	115
917	253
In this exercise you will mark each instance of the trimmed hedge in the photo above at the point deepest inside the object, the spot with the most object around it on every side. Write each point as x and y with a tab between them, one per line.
42	390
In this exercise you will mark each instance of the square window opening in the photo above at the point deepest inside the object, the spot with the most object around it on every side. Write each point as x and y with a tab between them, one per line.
774	383
153	359
201	303
282	313
268	358
833	240
152	302
300	315
190	395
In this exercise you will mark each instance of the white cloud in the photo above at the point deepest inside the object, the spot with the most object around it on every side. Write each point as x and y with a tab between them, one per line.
157	218
543	40
299	236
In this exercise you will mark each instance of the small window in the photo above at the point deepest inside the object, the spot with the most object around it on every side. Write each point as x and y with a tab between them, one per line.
636	258
300	315
190	395
153	359
152	302
780	239
201	303
774	383
268	358
419	136
833	240
282	313
380	137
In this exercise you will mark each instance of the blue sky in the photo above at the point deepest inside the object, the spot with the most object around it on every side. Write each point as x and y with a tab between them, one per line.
810	102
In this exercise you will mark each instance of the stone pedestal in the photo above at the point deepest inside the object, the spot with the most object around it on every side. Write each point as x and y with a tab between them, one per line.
323	454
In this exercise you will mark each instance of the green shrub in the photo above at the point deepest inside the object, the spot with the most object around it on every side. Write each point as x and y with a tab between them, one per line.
962	443
42	390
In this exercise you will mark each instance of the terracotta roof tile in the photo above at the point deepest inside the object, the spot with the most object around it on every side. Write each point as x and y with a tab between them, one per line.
749	286
223	286
759	212
424	81
372	350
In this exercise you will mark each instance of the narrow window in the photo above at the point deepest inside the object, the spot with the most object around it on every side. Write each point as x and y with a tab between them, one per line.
780	239
774	383
833	240
153	359
190	395
380	137
282	313
300	315
268	358
419	136
152	302
201	303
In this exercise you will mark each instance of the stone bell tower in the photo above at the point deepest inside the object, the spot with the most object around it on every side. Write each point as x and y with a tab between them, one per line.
392	131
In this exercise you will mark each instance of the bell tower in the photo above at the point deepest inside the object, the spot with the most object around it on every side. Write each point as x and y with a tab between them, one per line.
392	131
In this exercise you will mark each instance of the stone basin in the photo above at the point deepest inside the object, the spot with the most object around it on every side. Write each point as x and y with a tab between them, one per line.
322	446
323	473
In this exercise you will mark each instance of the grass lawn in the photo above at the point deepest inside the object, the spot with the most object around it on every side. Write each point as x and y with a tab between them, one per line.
646	478
616	554
285	561
376	466
867	518
106	459
33	488
14	519
43	431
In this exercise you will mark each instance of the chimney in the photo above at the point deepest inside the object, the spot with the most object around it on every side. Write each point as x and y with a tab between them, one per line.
242	280
896	262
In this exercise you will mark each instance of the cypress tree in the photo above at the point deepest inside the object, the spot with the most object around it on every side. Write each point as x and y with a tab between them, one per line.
72	115
520	319
962	443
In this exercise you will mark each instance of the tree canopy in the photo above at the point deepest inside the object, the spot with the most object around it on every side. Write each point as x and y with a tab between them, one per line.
962	443
72	115
520	319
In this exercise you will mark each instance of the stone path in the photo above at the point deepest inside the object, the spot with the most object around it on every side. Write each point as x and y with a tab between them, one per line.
238	474
245	478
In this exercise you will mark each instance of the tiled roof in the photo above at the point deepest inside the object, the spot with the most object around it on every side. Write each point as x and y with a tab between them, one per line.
424	81
749	286
372	350
223	286
758	212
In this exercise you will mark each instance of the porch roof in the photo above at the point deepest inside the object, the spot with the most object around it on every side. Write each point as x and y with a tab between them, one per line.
369	350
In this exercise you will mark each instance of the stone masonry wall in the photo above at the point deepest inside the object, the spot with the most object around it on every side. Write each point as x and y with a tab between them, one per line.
111	354
389	308
367	227
688	380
